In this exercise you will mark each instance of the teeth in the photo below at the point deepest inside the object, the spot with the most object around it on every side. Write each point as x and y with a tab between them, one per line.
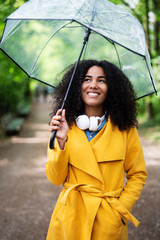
93	94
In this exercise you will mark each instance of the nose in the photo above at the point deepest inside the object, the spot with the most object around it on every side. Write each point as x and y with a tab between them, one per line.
93	84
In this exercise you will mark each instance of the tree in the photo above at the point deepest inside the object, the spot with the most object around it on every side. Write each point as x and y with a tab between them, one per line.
13	84
143	10
156	10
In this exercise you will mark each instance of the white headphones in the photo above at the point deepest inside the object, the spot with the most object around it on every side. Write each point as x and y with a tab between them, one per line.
92	123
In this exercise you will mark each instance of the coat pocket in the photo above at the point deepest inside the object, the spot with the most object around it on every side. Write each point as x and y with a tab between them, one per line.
119	218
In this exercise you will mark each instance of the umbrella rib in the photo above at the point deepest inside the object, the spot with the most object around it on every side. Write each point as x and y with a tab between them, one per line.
10	31
74	27
46	45
110	30
120	17
25	71
117	56
151	76
146	95
109	39
78	10
84	17
43	82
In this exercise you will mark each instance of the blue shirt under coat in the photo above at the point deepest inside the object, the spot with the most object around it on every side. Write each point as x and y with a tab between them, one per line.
91	134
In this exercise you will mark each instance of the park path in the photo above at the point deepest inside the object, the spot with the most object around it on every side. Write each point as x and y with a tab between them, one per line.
27	198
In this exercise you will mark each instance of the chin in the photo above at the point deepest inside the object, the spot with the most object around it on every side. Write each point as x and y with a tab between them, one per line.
93	104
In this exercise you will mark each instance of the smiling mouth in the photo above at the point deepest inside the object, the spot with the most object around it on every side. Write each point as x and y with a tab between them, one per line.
93	94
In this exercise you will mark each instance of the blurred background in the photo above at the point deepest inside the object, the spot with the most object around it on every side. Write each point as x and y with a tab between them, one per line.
15	87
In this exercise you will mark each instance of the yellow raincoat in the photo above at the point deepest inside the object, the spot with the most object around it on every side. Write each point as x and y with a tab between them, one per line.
94	203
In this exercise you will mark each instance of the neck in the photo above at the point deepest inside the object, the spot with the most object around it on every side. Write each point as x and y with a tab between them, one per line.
97	112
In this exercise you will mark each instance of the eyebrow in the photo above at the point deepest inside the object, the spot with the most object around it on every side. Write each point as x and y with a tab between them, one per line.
98	76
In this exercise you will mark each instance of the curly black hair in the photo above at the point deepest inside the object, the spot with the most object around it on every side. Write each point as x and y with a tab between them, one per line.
120	103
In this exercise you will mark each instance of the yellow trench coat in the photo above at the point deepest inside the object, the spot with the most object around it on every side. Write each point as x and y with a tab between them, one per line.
94	202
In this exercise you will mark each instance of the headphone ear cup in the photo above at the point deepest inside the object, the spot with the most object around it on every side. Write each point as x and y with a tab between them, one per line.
93	124
82	122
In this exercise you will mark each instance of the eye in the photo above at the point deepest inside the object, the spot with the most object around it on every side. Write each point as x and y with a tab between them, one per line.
87	79
101	80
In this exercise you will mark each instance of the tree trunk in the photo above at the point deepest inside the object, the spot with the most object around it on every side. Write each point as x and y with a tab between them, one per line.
147	25
27	92
156	33
156	10
150	110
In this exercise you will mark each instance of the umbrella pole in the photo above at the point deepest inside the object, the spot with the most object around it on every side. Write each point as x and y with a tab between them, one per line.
51	145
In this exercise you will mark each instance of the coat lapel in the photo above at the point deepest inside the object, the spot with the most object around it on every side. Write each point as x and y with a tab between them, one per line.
81	154
109	144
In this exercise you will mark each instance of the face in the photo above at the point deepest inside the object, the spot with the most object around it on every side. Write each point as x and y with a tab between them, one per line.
94	87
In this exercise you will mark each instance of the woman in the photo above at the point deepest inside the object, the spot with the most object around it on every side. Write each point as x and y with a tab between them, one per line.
96	145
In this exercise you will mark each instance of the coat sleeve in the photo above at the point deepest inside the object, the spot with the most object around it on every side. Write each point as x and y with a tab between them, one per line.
57	164
134	166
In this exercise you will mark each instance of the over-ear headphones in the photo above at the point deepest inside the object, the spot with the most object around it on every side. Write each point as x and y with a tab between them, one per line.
92	123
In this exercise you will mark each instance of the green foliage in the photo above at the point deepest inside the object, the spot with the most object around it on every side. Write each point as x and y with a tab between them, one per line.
12	85
13	82
143	11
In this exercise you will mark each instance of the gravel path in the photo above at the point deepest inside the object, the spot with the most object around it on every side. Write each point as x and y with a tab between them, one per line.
27	198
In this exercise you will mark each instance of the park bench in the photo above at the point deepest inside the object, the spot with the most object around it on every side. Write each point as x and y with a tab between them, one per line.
23	109
11	125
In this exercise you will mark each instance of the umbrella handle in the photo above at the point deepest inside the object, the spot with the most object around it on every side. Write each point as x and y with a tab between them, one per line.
51	144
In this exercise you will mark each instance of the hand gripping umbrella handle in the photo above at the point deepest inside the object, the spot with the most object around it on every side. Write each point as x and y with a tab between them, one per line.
51	144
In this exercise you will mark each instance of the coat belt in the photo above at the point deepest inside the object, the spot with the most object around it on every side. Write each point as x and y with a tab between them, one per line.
110	197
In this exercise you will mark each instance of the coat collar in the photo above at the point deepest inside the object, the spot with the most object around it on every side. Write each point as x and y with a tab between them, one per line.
110	146
107	145
81	154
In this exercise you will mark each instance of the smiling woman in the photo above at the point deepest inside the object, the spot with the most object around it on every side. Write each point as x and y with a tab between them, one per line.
96	145
94	91
119	101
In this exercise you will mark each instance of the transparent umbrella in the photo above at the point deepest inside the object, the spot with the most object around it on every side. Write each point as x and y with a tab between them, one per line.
43	37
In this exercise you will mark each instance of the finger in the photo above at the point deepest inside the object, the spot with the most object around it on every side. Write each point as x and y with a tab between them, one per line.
52	128
55	122
56	117
58	112
63	114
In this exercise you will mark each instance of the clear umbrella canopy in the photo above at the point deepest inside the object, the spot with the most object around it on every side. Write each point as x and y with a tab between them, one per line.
43	37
